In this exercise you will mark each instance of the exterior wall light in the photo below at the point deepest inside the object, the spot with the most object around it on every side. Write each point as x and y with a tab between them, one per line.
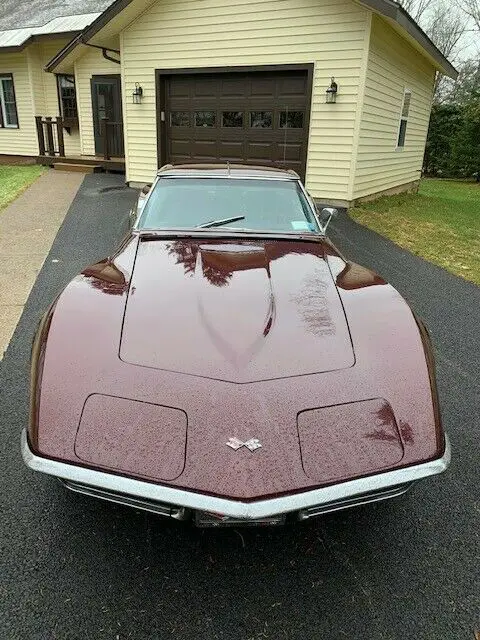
137	94
331	93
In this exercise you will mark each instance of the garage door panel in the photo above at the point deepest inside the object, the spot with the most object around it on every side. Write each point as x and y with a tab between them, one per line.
180	147
232	87
292	87
291	152
240	117
233	151
205	87
259	151
262	87
180	88
204	149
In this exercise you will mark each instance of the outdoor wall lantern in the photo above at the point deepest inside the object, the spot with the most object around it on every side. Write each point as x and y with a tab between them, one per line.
331	93
137	94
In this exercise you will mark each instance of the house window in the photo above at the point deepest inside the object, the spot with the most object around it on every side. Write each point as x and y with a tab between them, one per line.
8	105
67	99
402	130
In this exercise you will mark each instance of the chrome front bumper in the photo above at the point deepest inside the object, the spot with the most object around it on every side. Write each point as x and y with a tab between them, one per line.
178	503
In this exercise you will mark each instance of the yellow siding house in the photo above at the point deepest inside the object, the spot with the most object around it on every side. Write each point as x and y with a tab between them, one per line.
338	90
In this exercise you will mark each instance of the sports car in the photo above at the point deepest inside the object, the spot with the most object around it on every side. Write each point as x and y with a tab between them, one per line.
228	366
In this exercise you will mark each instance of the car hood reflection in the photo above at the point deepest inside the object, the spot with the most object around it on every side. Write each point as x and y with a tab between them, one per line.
235	310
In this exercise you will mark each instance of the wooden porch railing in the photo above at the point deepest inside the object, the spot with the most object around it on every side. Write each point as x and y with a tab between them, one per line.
51	141
50	136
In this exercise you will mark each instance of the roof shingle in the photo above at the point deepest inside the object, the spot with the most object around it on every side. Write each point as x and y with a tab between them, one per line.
16	14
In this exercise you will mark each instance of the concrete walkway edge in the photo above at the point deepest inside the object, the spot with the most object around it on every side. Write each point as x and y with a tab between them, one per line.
28	227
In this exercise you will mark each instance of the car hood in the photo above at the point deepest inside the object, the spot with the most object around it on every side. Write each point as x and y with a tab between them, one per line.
234	310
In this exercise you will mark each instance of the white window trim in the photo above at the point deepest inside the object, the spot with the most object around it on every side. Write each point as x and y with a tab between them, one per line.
406	91
2	103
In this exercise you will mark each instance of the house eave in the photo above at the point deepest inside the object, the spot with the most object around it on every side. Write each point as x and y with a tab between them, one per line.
397	14
387	8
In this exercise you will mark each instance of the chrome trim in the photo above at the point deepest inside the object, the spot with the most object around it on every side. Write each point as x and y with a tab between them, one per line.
160	508
225	506
202	173
313	208
355	501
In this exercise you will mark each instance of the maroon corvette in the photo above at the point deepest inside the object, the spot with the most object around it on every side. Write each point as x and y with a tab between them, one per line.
228	365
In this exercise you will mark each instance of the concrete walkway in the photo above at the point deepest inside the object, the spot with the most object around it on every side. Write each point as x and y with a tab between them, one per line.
27	230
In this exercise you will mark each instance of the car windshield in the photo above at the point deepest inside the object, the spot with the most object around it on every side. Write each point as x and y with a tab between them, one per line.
267	205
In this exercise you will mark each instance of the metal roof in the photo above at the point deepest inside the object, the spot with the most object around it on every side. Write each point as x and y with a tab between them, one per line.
62	24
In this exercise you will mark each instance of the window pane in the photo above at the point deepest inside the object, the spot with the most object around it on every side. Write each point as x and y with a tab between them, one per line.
180	119
8	98
232	119
8	90
401	133
66	81
68	99
11	114
406	104
204	118
291	119
261	119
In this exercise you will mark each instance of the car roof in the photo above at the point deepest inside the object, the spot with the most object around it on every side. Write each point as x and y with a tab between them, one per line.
226	170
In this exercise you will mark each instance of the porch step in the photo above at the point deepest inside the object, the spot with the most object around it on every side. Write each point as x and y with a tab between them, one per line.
82	168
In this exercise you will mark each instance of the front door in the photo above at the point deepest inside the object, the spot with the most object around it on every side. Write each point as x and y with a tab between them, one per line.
107	112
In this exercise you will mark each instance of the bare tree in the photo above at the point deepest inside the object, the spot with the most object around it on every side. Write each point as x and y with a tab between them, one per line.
446	27
416	8
472	9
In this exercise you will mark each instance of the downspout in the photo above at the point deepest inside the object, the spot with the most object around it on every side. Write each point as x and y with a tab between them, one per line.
104	52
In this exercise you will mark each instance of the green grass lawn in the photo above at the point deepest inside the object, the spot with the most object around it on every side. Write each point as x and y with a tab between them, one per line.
440	223
15	179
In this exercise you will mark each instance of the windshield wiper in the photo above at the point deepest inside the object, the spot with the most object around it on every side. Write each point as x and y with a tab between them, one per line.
218	223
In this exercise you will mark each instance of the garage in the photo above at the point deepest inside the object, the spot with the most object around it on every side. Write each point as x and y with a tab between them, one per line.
258	116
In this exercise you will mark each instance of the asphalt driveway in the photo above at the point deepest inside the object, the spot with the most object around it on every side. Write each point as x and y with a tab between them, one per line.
76	568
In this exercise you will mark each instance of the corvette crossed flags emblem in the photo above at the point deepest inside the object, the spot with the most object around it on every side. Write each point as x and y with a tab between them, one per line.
251	444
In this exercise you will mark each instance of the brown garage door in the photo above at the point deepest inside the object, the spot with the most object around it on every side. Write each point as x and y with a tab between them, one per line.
256	117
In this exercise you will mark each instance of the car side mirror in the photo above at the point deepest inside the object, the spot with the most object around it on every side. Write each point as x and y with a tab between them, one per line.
325	217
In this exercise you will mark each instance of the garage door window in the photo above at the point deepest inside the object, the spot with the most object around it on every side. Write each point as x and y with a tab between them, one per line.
232	119
261	119
180	119
204	118
291	119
